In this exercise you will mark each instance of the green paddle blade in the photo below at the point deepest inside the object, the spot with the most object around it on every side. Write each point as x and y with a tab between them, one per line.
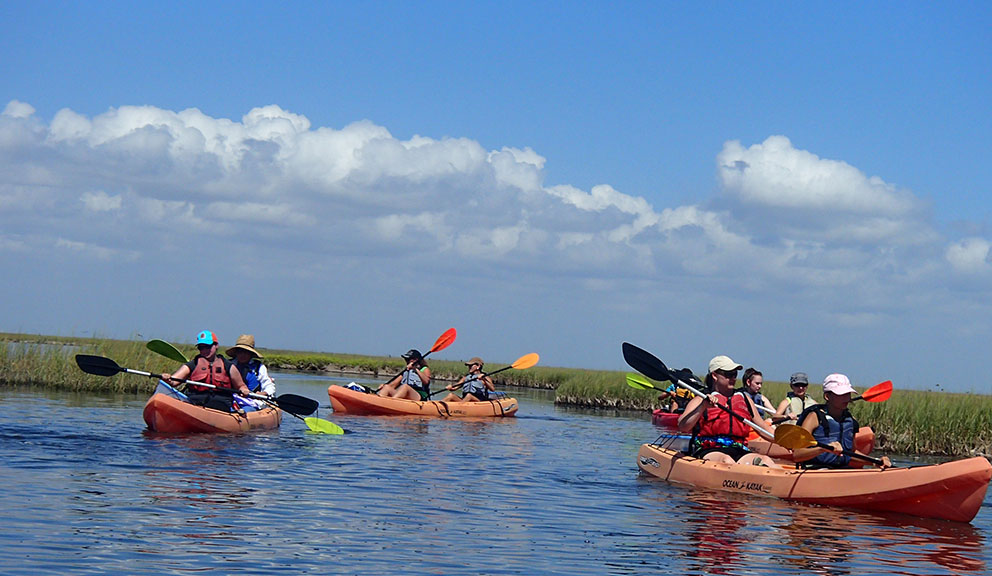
639	382
321	426
168	350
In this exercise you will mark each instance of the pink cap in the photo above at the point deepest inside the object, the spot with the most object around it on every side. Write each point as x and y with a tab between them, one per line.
837	384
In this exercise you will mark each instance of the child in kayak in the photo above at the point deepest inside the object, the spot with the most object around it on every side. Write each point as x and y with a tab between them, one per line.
716	433
475	385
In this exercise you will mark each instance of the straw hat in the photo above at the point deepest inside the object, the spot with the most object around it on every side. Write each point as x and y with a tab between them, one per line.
245	342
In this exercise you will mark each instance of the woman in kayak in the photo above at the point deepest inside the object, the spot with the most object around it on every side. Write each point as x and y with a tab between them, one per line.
753	379
716	434
249	363
796	401
475	385
413	383
831	423
209	368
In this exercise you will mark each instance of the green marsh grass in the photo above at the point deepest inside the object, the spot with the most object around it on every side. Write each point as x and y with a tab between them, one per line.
910	422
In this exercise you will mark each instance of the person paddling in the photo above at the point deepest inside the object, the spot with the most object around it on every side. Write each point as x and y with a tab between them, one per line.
831	423
716	434
209	368
249	363
475	385
795	401
413	383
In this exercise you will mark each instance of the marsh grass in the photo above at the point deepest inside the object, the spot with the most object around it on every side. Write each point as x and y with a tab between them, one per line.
910	422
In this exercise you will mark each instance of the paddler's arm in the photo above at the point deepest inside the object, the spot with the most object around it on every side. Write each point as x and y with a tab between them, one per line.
237	382
693	412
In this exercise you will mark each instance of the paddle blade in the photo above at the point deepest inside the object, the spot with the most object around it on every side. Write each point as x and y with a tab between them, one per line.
443	341
97	365
321	426
525	361
645	362
793	437
878	392
168	350
639	382
299	405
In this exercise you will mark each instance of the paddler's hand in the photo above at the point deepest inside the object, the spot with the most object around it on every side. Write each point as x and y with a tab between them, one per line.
836	447
886	463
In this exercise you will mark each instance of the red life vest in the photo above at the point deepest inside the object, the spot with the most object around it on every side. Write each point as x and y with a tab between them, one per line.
216	373
718	422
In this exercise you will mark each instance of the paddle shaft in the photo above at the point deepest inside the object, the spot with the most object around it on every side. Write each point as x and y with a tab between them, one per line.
649	365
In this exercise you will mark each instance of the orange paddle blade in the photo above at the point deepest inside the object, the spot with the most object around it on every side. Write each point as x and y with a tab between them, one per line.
878	392
525	361
444	340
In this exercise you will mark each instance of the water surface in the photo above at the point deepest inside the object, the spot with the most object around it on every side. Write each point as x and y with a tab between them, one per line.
553	491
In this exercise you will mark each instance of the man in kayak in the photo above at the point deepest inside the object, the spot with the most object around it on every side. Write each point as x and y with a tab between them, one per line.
475	385
715	420
796	401
413	383
249	363
209	368
831	423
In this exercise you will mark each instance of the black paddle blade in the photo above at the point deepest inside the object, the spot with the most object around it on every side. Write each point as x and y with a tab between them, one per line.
299	405
645	362
97	365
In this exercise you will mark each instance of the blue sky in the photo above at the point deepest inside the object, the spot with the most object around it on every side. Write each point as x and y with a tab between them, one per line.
802	187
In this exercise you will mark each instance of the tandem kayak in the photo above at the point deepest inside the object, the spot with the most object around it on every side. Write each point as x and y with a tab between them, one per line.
349	401
665	419
950	491
168	411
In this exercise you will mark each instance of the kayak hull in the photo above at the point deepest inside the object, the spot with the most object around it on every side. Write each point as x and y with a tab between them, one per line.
167	414
950	491
347	401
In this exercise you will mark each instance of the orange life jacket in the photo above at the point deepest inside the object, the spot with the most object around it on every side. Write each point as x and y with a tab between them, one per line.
718	422
217	373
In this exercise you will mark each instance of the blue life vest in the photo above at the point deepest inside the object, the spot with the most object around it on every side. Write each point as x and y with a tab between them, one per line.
830	430
475	386
249	373
412	379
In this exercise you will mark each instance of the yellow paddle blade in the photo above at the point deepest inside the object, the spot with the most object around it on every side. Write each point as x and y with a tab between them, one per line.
639	382
525	361
793	437
321	426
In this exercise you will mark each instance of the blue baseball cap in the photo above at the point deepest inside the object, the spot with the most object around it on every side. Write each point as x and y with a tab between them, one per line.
206	337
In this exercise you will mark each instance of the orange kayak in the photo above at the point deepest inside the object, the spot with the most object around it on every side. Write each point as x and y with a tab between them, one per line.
347	401
951	491
168	414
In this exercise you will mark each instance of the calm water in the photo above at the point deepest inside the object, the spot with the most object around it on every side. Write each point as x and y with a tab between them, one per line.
552	491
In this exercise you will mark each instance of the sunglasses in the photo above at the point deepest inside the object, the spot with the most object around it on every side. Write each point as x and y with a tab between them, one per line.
799	385
731	375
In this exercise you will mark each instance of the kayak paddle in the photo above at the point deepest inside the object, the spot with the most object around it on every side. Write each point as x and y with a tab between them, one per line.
522	363
101	366
168	350
877	393
795	437
649	365
318	425
442	342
